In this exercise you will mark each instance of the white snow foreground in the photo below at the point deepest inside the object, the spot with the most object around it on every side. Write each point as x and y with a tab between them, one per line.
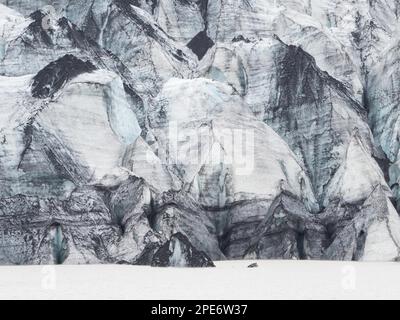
271	280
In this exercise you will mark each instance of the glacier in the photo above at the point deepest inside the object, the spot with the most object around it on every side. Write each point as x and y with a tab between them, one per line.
182	133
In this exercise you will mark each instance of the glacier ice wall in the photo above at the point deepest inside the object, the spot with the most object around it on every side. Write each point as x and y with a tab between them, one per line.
175	133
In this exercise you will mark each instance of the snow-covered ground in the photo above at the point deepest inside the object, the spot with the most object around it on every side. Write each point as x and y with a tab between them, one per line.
230	280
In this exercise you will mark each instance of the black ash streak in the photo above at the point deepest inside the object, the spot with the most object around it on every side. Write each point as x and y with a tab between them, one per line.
54	76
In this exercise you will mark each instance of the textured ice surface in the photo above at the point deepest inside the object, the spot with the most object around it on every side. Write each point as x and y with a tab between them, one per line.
178	132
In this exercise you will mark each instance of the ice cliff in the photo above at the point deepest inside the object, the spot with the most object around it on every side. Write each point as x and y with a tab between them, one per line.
178	132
